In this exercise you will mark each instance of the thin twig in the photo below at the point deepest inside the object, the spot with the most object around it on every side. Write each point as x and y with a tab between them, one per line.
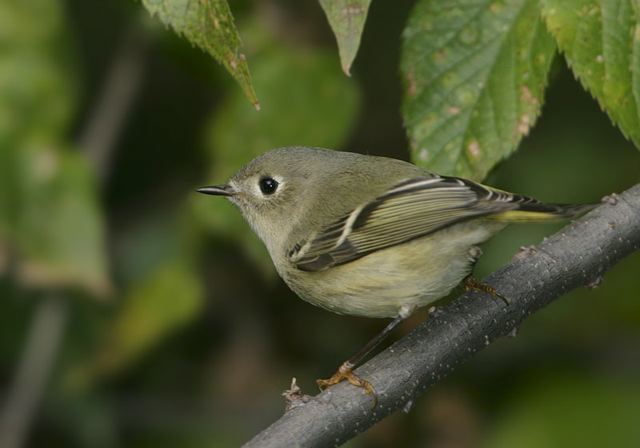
43	340
577	255
110	112
51	314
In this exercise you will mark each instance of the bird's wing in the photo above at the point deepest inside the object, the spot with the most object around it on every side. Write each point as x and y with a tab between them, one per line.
409	210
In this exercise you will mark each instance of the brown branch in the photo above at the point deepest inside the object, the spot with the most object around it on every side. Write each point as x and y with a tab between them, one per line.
578	255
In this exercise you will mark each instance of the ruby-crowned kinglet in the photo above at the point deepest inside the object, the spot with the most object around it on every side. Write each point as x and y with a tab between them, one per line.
371	236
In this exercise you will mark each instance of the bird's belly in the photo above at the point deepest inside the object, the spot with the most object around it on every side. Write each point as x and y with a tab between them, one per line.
415	273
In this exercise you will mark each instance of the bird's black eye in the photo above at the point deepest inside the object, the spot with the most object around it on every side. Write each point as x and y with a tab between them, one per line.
268	185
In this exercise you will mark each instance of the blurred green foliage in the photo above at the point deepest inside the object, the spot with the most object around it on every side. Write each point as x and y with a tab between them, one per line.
541	419
196	343
38	79
55	225
51	230
170	297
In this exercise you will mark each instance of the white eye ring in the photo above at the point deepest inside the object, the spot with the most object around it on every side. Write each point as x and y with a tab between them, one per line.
268	185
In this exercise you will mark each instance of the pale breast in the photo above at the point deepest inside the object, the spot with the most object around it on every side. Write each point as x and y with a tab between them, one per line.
415	273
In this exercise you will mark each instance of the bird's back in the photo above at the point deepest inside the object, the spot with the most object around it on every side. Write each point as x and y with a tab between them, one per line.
346	179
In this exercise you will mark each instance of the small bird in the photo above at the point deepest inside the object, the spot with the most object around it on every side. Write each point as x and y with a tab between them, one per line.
372	236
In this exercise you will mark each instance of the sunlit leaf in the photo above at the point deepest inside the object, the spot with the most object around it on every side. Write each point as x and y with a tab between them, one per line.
155	307
58	233
38	84
474	74
306	101
601	41
347	18
209	25
50	223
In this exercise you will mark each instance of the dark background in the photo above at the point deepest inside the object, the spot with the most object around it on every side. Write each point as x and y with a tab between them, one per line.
214	376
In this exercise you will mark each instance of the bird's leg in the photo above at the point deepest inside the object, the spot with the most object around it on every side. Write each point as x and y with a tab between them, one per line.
345	371
472	283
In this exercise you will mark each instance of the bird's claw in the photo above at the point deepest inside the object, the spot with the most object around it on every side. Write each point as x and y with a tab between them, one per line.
345	373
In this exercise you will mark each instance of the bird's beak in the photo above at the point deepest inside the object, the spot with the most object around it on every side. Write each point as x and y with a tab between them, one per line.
217	190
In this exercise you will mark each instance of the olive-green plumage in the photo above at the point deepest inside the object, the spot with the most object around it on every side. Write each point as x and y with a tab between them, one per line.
367	235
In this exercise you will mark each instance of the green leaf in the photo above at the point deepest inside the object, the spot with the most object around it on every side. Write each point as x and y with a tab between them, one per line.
346	18
474	74
576	410
57	231
601	41
209	25
50	223
38	82
157	305
307	101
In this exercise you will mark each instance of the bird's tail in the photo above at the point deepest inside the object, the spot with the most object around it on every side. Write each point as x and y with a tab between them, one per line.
538	211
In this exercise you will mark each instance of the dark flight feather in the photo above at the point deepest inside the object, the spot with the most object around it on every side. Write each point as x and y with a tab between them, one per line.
413	209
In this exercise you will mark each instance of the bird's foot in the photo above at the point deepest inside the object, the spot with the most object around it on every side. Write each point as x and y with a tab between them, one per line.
472	283
345	372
